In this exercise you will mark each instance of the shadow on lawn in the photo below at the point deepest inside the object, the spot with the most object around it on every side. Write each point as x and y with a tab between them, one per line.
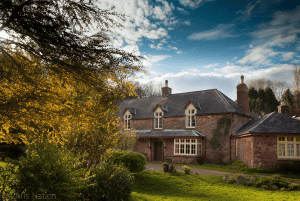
155	184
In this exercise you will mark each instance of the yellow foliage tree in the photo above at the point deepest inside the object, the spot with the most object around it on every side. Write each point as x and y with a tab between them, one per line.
62	111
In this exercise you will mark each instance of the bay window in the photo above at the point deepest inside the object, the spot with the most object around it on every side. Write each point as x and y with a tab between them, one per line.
187	146
288	147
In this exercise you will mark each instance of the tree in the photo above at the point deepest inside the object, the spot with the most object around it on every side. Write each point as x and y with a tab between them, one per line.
262	102
57	32
271	102
296	89
144	90
288	98
278	87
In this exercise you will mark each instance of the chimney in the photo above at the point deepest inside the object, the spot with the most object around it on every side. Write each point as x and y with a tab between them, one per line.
242	96
284	109
166	91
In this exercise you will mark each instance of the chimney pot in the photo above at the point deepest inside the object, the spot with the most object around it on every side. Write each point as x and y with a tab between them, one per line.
166	91
242	79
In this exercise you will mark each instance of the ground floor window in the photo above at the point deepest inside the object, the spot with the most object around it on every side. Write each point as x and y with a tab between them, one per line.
187	146
288	147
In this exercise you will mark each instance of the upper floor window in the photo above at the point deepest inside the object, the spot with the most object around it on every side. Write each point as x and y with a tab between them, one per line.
190	118
158	119
127	121
288	147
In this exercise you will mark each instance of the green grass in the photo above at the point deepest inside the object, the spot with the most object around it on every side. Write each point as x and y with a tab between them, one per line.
231	169
155	185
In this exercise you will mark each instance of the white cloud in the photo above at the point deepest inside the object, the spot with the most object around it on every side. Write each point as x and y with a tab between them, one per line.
179	52
151	59
288	55
158	47
174	48
193	3
283	23
261	55
247	12
138	20
187	22
211	65
222	31
234	58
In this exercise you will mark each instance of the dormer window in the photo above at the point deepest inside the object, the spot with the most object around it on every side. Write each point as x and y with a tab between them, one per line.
127	121
190	118
158	120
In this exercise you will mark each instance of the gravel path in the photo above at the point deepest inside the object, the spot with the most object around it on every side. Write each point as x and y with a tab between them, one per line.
159	167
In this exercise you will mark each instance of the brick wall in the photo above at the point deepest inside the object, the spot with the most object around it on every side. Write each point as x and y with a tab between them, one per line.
265	150
257	151
205	124
142	147
244	150
142	124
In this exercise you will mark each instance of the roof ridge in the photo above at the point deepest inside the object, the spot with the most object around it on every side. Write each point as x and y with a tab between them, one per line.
222	97
194	91
261	122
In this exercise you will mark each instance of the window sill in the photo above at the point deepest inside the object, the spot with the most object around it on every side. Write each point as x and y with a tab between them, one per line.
186	155
291	159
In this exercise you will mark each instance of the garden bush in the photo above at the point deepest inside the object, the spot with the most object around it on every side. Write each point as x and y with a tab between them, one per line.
134	161
50	171
286	167
109	182
186	169
7	181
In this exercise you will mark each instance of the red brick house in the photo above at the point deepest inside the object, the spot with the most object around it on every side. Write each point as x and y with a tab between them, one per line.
207	125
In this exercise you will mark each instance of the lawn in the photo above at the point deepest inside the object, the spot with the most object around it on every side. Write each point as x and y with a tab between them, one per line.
155	185
231	169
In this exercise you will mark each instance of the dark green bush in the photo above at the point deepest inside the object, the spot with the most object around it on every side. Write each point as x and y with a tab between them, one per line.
286	167
110	182
50	171
7	180
134	161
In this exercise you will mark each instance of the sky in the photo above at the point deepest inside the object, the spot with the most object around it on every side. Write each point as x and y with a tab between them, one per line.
208	44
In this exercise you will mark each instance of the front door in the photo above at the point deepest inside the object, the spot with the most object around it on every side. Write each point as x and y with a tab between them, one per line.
158	151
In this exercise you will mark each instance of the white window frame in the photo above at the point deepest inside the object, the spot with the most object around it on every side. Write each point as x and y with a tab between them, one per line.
158	120
190	121
288	147
127	121
190	147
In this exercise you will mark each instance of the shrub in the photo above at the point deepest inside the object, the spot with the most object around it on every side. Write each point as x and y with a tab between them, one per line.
166	167
293	186
134	161
286	167
239	164
186	169
110	182
46	169
7	180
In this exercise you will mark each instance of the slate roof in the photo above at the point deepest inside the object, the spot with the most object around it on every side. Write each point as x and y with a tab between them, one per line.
272	123
169	133
210	101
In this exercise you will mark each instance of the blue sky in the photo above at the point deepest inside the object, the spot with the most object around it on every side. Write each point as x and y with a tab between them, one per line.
205	44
